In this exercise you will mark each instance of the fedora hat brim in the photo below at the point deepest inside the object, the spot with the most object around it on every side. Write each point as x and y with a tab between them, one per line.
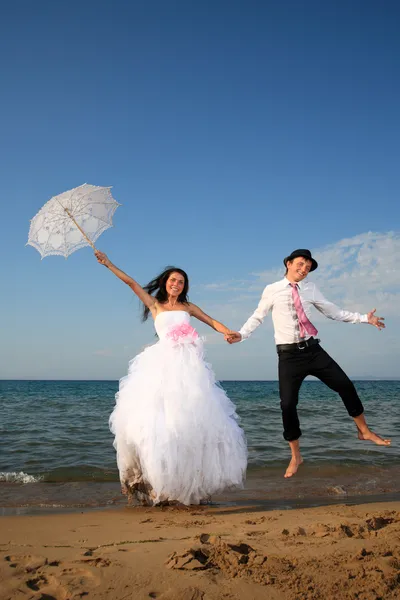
305	254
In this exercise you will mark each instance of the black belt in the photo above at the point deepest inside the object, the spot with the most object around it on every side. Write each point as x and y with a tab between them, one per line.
298	345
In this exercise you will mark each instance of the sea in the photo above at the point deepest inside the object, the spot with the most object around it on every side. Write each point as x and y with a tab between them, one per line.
56	450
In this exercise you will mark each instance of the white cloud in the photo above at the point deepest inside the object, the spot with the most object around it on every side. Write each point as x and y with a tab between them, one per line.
358	274
362	272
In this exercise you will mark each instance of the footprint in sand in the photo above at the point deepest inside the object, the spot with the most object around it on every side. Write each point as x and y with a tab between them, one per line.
26	562
78	582
233	559
51	578
257	521
379	522
256	534
48	586
363	530
96	561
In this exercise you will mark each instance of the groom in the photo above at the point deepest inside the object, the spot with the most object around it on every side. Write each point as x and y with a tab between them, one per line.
299	351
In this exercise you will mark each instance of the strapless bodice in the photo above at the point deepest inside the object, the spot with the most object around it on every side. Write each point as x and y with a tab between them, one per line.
174	325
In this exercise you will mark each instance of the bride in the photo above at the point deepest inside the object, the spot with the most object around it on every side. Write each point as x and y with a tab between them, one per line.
176	432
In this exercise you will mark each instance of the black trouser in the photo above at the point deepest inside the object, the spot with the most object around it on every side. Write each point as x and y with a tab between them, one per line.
294	366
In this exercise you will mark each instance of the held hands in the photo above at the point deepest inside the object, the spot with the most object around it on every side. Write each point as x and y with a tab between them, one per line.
376	321
102	258
232	337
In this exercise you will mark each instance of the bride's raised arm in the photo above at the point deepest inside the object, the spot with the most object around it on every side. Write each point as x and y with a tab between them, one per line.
195	311
146	298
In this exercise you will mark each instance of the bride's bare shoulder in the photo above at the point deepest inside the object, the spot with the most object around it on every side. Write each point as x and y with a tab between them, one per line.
192	309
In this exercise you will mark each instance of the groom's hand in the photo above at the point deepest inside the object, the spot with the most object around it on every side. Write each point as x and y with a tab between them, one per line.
376	321
233	337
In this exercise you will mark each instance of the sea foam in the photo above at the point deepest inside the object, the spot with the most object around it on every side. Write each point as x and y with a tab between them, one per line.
20	477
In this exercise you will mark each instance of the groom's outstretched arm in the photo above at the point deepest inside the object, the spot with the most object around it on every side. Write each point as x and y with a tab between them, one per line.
332	311
258	316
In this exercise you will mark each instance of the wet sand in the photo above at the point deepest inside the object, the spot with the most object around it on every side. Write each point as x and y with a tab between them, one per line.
264	486
239	552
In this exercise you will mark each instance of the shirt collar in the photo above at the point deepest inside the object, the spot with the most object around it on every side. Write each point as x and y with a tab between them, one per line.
301	284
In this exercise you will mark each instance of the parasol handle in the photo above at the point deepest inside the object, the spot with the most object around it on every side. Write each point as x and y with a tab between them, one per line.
80	229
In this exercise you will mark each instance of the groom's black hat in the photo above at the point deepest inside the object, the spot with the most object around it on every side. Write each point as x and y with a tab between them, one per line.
305	254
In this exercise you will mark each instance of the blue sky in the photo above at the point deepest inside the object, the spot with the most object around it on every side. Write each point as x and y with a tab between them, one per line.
231	133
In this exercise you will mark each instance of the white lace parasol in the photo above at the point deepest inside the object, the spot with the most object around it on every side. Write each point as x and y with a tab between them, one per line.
72	220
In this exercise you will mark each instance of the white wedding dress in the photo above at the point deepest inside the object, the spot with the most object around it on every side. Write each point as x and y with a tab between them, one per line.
176	431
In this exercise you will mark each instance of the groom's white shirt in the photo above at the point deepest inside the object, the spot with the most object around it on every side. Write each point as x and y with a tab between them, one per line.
277	298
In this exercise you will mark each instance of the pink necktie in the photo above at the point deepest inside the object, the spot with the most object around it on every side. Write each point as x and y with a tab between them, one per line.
305	325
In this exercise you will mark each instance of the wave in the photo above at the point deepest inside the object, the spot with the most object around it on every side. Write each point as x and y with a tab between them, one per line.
258	468
21	477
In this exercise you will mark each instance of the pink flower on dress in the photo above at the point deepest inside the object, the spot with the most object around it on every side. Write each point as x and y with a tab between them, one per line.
182	333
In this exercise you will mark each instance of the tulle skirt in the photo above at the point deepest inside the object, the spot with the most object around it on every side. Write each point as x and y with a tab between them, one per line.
176	432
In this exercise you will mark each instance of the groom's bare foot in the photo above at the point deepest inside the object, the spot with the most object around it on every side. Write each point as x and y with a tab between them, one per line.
294	464
373	437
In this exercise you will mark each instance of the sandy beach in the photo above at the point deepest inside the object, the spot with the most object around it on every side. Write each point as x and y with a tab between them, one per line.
339	551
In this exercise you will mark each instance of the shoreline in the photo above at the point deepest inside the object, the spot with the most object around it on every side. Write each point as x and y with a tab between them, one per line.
336	551
241	505
267	488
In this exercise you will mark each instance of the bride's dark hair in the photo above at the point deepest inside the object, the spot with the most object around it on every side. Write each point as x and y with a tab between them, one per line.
158	285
